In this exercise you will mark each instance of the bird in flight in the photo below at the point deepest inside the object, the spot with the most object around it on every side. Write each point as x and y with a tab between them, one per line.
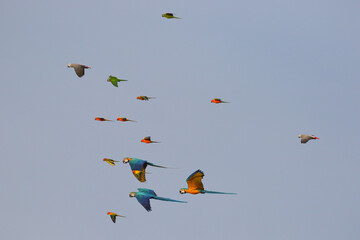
195	185
169	16
113	216
110	161
114	80
144	98
102	119
305	138
218	100
138	167
148	140
79	68
144	195
124	119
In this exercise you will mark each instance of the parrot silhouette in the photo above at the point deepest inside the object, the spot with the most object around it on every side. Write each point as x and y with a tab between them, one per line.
195	185
148	140
110	161
124	119
218	100
305	138
144	195
144	98
79	68
113	216
138	167
102	119
114	80
169	16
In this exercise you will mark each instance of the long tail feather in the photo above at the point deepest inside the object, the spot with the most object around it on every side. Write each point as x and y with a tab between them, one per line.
151	164
168	199
206	191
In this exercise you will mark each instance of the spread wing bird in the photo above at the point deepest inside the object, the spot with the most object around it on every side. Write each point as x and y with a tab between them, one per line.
148	140
113	216
218	100
144	98
169	16
144	195
305	138
110	161
102	119
114	80
79	68
124	119
195	185
138	167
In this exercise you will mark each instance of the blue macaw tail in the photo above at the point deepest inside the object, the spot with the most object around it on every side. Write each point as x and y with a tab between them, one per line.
206	191
151	164
168	199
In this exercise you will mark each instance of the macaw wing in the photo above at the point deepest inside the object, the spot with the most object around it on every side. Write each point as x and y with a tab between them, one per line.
113	218
79	70
140	175
114	82
137	164
194	180
110	162
144	201
146	190
305	139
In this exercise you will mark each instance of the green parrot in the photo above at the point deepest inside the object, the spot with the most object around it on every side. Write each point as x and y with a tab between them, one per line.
114	80
169	15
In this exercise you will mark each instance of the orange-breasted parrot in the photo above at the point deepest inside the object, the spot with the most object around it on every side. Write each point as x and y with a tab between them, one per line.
138	167
79	68
144	98
144	195
169	16
195	185
124	119
305	138
102	119
148	140
218	100
113	216
114	80
110	161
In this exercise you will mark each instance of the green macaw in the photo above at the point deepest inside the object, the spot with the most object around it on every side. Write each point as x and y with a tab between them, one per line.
115	80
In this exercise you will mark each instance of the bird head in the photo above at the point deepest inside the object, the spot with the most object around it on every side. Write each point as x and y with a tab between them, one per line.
105	159
182	191
300	135
69	65
109	213
126	160
132	194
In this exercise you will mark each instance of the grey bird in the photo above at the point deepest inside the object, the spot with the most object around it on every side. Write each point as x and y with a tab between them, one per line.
305	138
79	68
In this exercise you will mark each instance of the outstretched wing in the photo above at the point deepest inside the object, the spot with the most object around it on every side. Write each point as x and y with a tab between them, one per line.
146	190
138	168
305	139
144	200
113	218
194	180
79	70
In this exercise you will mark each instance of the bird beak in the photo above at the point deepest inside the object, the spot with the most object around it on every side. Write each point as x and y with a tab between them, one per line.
316	138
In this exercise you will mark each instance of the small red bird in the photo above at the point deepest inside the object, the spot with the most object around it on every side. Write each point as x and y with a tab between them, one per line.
124	119
218	100
102	119
144	98
148	140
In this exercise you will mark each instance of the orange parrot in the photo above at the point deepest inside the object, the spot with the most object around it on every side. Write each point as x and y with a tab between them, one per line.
102	119
144	98
110	161
148	140
113	216
124	119
218	100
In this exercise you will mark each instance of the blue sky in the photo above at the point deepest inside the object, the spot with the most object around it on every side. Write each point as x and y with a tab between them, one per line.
287	67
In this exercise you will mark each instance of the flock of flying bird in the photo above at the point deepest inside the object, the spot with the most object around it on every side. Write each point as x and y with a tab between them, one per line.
138	166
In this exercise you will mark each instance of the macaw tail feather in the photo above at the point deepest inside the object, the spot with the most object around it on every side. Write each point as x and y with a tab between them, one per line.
168	199
206	191
224	102
151	164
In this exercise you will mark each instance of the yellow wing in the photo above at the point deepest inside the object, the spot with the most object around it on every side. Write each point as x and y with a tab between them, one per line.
194	180
140	175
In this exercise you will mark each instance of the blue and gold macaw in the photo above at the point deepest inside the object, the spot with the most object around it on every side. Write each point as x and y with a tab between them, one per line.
195	185
144	195
138	167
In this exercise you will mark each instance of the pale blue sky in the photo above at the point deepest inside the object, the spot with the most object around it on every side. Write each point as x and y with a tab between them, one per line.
287	67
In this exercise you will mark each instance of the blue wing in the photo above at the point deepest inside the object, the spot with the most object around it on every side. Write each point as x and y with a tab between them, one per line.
147	191
137	164
144	200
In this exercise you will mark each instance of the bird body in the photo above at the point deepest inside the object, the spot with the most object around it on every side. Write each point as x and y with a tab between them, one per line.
124	119
113	216
138	167
148	140
102	119
115	80
79	68
144	195
305	138
169	16
196	186
218	100
110	161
